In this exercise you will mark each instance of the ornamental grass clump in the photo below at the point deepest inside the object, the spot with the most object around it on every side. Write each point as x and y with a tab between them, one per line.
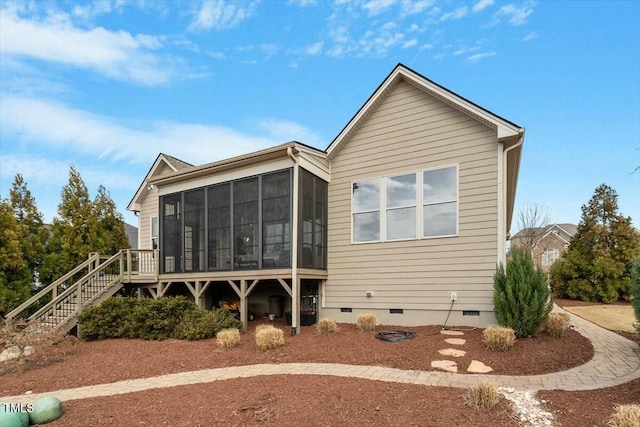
625	416
521	295
366	322
228	338
556	324
269	338
326	326
262	326
499	338
483	396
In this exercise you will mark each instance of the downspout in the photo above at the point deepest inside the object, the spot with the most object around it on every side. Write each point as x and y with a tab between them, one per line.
504	194
295	303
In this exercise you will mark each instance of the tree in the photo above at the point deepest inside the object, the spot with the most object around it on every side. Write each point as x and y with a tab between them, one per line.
598	264
15	278
533	221
82	226
521	295
111	235
33	233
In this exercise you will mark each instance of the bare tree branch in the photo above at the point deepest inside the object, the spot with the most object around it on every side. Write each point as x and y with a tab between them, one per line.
533	221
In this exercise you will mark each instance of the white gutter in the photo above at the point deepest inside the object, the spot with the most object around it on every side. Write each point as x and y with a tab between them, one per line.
502	257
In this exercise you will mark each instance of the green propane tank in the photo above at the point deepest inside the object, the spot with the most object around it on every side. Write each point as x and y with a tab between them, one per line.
45	410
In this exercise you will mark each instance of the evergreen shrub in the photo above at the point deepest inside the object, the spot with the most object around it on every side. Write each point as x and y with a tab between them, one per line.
521	295
152	319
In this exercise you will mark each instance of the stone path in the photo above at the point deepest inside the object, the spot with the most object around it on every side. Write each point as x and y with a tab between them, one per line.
616	361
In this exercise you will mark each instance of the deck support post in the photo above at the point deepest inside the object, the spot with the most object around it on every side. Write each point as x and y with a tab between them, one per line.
244	309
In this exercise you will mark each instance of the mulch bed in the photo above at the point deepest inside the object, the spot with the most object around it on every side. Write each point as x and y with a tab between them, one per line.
113	360
285	401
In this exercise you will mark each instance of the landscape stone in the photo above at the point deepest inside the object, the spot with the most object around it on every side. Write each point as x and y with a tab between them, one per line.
451	333
452	352
445	365
455	341
10	352
477	367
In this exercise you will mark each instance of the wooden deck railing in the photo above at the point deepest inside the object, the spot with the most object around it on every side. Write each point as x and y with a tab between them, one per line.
97	278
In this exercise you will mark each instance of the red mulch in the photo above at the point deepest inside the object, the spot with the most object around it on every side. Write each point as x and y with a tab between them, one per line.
309	400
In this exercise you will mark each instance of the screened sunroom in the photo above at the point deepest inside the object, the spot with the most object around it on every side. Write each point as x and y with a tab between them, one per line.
244	224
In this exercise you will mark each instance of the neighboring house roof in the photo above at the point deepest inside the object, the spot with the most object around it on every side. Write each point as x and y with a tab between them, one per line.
132	235
173	163
563	231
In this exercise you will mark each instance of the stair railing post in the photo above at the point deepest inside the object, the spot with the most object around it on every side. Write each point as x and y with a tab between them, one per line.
129	265
156	262
121	265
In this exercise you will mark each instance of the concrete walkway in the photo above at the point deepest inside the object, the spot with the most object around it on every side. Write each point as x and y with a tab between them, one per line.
616	361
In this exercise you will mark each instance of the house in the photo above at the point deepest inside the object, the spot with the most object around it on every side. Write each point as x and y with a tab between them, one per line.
404	215
547	244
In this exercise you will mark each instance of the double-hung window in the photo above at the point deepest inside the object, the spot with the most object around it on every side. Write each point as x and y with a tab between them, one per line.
421	204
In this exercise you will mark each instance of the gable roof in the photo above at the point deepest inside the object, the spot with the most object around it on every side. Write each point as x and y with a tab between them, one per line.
504	128
173	163
243	160
507	132
564	232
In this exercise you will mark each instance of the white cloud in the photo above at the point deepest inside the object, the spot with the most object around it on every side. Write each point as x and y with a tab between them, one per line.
302	3
47	171
482	5
376	7
514	14
119	55
412	7
479	56
458	13
409	43
221	15
530	36
59	127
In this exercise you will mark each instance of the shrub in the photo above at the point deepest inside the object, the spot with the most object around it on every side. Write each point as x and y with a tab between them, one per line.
483	396
196	325
228	338
263	326
625	416
498	338
366	322
556	324
521	295
157	319
636	291
107	320
268	338
152	319
326	326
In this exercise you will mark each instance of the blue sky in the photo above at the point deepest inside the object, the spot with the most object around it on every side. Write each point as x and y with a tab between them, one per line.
107	85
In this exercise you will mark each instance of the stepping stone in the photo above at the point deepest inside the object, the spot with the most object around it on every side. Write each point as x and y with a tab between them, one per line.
478	368
452	352
452	333
455	341
445	365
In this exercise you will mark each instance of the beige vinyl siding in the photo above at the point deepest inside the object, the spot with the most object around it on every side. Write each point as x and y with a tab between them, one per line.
149	210
410	131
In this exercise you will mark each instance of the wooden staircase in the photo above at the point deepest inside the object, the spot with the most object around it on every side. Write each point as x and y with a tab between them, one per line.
98	278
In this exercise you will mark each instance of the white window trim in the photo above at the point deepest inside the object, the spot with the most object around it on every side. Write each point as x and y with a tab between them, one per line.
419	205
